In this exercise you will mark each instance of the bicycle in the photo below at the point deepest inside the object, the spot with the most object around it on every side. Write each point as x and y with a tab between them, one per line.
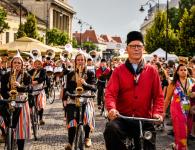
144	135
10	114
78	143
51	91
34	115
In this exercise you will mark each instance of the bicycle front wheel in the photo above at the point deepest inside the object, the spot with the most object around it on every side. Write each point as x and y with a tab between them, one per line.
10	139
34	122
51	95
79	139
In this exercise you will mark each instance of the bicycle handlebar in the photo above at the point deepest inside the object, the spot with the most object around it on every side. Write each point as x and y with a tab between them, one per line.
139	118
9	101
80	95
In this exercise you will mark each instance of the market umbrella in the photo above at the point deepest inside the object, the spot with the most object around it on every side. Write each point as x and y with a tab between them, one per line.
27	44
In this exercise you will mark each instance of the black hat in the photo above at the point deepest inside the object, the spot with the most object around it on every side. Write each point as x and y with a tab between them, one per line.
135	36
103	60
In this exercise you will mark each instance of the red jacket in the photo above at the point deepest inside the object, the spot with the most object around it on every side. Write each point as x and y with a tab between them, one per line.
141	100
100	73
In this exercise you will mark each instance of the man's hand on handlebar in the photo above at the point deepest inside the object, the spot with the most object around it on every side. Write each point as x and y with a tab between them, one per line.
160	117
112	114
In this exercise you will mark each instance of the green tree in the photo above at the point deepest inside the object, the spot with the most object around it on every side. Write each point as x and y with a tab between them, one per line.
187	33
3	25
174	18
74	43
30	27
56	37
63	38
52	36
156	35
175	14
185	4
89	46
21	32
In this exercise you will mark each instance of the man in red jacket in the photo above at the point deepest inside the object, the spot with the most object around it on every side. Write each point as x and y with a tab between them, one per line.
134	89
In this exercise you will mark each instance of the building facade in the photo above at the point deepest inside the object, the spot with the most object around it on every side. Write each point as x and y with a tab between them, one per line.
56	13
49	14
14	16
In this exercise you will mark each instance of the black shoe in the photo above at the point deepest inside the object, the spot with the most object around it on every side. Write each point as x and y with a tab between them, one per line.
170	133
191	137
41	122
169	123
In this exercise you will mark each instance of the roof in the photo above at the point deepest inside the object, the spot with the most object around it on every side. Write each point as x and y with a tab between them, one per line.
90	35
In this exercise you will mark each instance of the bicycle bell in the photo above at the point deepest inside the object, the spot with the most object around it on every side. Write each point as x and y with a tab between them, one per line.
147	135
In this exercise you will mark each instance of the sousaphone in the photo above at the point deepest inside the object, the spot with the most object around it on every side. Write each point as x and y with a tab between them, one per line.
35	53
66	53
50	53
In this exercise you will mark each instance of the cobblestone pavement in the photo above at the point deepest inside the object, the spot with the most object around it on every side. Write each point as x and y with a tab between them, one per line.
53	135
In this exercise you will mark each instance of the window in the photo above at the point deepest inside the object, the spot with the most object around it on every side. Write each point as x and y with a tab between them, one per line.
7	37
15	36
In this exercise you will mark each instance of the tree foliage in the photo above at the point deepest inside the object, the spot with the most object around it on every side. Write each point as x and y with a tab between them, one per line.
187	33
21	32
156	35
30	27
174	18
3	25
175	14
56	37
89	46
185	4
74	43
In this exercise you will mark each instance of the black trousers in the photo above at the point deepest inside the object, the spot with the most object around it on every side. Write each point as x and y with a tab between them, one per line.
118	130
100	92
72	113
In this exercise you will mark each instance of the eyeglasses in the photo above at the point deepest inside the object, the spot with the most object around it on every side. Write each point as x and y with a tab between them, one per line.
136	46
17	62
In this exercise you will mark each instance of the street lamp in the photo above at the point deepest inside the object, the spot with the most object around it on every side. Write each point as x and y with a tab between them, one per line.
150	5
47	21
167	30
21	2
81	25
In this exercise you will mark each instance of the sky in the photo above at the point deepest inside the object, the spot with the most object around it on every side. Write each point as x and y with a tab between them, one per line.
112	17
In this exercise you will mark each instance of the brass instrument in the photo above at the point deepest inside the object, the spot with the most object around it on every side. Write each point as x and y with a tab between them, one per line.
13	92
79	89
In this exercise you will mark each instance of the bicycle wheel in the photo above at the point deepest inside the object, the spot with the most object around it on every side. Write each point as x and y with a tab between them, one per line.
51	95
10	139
34	122
79	139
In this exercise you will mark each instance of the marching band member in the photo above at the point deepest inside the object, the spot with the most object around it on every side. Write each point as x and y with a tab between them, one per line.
102	74
38	78
86	81
19	80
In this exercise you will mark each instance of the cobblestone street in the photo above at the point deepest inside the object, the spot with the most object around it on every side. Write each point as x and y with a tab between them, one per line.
53	135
